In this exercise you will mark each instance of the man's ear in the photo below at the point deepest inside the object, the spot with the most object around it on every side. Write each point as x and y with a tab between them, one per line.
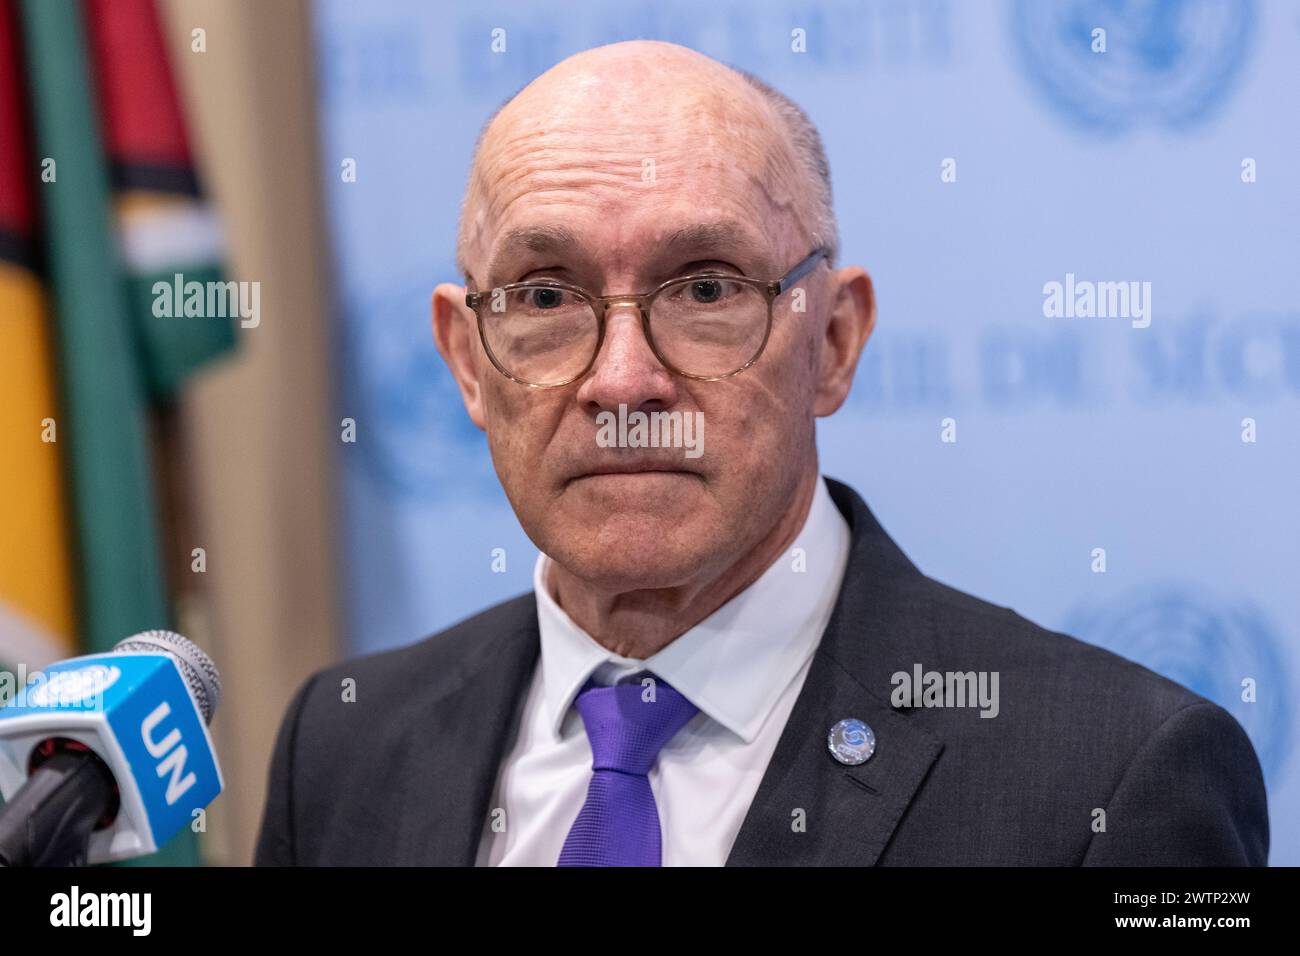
456	335
852	319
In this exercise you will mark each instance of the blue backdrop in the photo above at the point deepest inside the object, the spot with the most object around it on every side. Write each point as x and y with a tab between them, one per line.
1072	434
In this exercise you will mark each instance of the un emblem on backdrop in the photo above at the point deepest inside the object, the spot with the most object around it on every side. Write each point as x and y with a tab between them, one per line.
1166	63
413	435
1207	646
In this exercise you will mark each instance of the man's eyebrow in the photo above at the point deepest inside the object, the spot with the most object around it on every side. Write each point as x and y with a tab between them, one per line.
540	238
725	236
543	238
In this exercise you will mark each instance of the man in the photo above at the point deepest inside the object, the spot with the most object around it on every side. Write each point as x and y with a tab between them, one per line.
717	665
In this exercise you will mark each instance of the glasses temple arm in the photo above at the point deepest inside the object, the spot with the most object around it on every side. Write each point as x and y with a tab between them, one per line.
801	270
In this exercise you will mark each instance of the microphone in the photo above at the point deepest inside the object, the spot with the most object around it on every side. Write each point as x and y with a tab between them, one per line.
106	757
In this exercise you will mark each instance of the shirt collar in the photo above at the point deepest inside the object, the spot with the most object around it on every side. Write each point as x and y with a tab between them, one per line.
735	663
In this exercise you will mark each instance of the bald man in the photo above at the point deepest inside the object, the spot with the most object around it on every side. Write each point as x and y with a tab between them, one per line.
725	659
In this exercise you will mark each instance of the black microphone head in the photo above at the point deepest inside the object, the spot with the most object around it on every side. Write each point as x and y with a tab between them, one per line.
196	667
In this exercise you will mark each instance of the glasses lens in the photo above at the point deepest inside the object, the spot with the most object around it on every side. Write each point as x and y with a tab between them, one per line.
540	334
709	326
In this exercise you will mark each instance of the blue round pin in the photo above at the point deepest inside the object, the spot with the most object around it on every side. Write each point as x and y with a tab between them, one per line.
852	741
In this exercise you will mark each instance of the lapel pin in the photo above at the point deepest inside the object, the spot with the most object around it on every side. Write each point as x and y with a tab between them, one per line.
852	741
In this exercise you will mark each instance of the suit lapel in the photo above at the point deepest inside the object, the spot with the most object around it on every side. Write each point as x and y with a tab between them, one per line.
456	743
848	814
811	810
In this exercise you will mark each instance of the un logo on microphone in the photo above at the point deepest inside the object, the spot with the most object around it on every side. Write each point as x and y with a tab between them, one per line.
1166	63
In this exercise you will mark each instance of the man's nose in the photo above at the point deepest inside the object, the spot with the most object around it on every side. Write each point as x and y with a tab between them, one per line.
626	371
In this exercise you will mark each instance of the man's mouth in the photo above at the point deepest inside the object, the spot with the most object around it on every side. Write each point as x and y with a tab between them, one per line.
615	469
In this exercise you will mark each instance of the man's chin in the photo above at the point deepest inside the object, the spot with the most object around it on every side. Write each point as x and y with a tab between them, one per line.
637	549
639	571
636	501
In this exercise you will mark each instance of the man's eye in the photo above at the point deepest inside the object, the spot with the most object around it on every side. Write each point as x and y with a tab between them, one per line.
706	290
545	298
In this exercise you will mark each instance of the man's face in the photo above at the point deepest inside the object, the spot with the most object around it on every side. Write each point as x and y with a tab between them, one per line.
721	194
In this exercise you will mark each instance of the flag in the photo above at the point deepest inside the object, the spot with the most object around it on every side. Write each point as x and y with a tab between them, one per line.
168	236
119	207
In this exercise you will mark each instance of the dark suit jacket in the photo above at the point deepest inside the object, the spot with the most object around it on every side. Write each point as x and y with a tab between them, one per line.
405	774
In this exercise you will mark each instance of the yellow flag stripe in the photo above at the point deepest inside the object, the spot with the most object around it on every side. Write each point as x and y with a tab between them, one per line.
35	561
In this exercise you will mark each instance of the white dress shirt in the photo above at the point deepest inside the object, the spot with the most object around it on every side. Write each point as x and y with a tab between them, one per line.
742	666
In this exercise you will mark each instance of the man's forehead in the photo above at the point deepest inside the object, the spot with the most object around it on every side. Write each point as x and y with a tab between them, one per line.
661	143
627	154
566	193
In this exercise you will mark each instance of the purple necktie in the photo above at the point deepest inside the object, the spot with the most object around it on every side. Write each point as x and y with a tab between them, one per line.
619	823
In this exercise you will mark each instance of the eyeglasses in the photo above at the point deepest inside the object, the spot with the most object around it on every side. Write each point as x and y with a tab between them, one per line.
706	326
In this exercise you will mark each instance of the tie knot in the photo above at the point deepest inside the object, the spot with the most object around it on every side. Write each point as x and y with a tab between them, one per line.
628	724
